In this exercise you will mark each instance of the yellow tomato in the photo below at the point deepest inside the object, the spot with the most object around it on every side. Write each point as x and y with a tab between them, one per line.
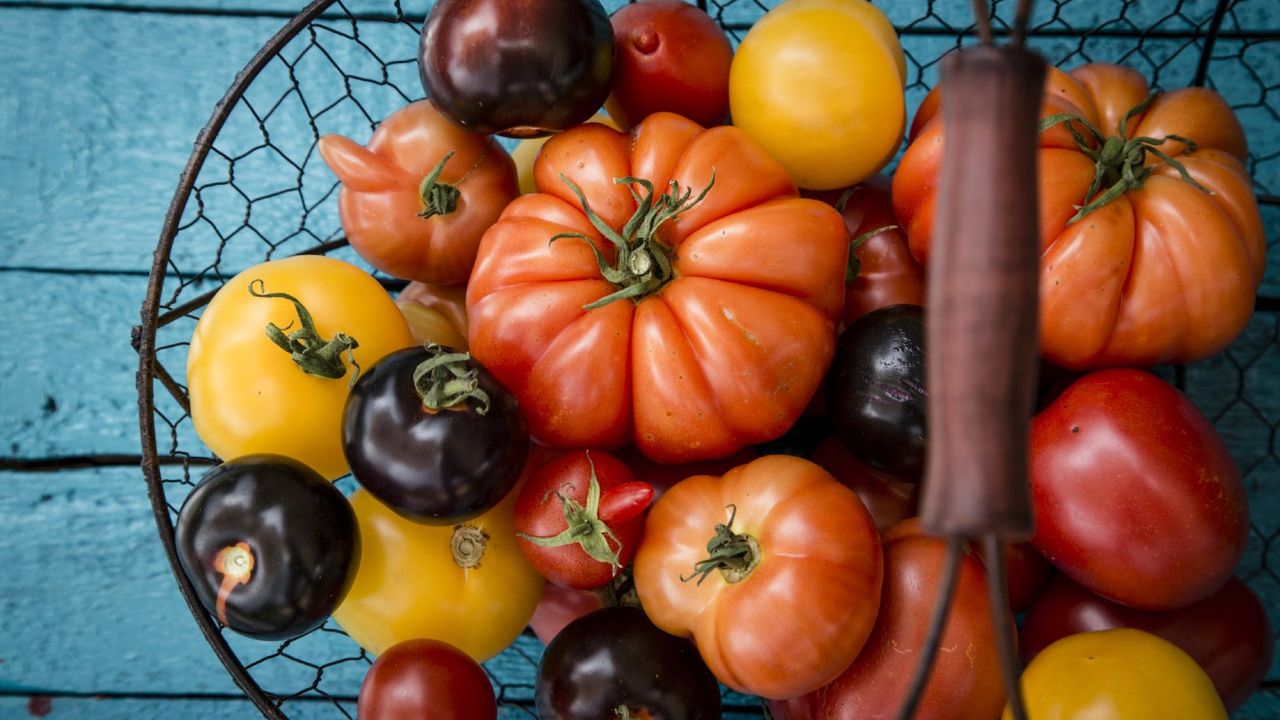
467	584
1119	674
527	151
247	393
818	83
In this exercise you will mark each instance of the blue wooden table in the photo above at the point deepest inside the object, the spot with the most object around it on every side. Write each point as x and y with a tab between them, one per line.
99	106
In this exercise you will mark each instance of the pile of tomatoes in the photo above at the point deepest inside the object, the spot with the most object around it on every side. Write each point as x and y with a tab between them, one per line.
574	414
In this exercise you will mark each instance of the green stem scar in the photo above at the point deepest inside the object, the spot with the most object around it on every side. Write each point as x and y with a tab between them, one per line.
1120	163
734	555
312	353
447	380
642	264
439	197
583	527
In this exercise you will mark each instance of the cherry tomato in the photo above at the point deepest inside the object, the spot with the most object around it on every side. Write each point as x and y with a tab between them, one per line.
419	679
1120	673
750	563
579	518
614	663
1227	634
1135	495
269	545
669	56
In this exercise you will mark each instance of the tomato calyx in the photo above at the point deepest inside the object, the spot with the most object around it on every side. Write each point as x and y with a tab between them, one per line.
312	353
446	380
468	545
1120	161
735	555
584	527
854	268
643	264
440	198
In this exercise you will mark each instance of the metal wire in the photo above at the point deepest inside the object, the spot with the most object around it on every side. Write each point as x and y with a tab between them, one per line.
254	188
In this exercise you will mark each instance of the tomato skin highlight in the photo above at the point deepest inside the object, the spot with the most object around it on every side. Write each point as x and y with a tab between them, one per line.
423	678
1135	494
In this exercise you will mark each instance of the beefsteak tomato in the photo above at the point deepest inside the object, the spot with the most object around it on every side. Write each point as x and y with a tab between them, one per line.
1151	242
667	286
773	568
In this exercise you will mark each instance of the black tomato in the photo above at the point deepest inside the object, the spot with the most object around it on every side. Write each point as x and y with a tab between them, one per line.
614	658
269	544
520	69
876	390
430	433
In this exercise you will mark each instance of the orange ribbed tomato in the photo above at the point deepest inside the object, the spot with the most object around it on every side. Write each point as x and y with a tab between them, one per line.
1155	267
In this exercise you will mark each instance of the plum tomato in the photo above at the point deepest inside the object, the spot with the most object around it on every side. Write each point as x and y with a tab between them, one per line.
669	55
429	432
269	545
579	518
615	663
423	678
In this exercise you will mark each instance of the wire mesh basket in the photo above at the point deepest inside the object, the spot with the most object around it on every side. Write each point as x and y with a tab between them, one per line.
255	188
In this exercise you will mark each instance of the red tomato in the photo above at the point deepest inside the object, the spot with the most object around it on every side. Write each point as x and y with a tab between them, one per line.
1026	572
882	269
1227	634
965	682
663	477
709	332
888	501
579	516
415	202
669	56
773	569
1134	492
560	606
419	679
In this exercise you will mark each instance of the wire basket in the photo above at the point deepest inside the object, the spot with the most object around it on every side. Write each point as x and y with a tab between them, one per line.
255	188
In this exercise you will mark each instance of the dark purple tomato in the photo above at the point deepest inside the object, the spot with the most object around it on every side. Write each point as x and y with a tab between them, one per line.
875	390
614	658
426	680
269	544
430	433
520	68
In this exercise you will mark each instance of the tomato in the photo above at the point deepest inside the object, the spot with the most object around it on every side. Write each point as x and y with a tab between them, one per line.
416	200
249	395
669	56
435	313
519	69
1120	673
662	477
431	434
712	332
882	270
876	394
889	501
818	83
467	585
965	681
419	679
614	663
526	153
1026	573
579	518
1164	272
1227	634
773	569
1135	494
268	544
560	606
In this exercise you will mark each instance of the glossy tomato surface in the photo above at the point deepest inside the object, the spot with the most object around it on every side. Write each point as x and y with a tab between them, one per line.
889	501
669	56
1135	494
1227	634
615	658
806	565
435	313
269	544
419	679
